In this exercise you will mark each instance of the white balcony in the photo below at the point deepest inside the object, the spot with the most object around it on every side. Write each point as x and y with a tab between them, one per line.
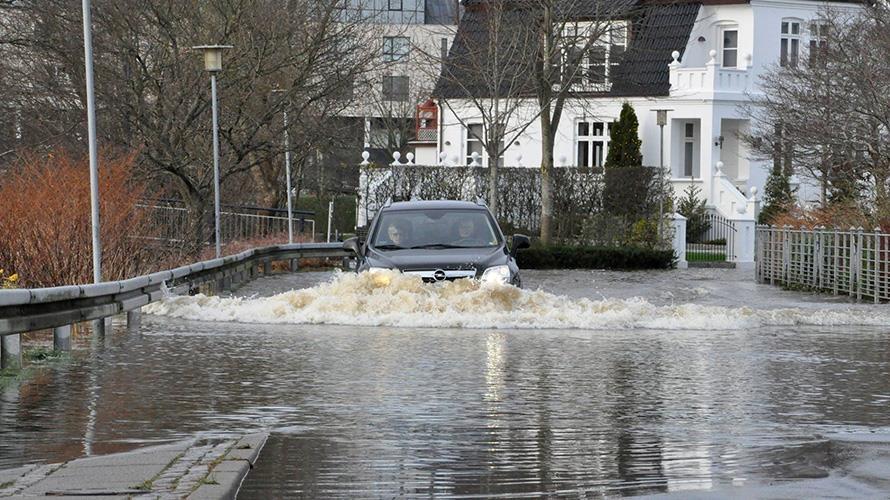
709	82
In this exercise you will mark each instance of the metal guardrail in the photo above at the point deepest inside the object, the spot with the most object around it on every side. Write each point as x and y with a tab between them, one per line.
28	310
853	262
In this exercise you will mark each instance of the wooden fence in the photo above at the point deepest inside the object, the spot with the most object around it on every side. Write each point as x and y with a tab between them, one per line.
854	262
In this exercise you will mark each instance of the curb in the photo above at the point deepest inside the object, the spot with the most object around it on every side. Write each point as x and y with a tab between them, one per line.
224	480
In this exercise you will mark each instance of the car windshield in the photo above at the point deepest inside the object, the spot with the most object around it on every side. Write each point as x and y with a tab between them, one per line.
439	228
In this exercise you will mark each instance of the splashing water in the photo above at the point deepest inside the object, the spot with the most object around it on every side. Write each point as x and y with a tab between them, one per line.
389	298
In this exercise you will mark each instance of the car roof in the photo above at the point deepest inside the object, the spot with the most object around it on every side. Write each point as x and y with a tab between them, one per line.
434	204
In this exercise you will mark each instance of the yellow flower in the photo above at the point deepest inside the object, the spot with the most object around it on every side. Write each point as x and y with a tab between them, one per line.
13	279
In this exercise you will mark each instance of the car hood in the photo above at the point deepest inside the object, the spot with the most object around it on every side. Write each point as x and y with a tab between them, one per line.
451	258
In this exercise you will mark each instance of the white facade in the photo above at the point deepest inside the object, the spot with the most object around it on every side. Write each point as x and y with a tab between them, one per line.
409	41
729	48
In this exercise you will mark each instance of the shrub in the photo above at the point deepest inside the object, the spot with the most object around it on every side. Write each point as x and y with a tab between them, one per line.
693	208
840	215
45	202
580	257
8	280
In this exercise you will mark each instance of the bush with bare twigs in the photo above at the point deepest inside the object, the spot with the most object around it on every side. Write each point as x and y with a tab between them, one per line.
838	215
45	232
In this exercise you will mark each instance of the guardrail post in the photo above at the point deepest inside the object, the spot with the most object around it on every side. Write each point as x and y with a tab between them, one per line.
134	319
267	267
294	265
62	338
11	352
99	327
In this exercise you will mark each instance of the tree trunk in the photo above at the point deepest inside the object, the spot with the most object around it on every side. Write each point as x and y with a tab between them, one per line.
546	179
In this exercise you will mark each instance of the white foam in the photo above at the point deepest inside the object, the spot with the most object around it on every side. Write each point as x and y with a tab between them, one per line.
394	299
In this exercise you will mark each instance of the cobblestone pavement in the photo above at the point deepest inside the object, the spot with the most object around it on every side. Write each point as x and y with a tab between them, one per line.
194	469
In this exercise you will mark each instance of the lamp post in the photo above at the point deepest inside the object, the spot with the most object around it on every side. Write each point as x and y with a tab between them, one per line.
661	121
213	65
290	208
91	133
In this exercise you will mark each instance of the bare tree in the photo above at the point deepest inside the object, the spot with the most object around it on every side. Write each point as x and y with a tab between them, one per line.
154	96
827	116
485	77
579	44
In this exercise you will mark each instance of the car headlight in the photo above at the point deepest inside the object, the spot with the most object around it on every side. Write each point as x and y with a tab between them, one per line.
496	274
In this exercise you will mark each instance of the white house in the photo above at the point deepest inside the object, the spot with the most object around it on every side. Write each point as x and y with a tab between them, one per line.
700	60
411	37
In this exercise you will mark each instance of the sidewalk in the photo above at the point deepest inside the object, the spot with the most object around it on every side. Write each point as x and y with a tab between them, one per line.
195	469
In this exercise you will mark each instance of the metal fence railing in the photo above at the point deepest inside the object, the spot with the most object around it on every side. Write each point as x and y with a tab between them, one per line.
172	223
854	262
713	241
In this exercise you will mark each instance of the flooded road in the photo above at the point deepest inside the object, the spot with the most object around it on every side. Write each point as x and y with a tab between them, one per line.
622	384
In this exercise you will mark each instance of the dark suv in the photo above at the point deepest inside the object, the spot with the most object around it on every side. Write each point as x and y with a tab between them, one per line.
438	241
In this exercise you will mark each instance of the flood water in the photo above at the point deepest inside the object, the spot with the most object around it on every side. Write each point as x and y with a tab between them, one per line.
679	383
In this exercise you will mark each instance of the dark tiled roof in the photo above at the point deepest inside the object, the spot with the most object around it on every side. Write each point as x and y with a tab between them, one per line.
656	30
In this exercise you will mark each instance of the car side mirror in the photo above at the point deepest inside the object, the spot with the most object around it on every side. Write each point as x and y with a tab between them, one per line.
520	241
353	245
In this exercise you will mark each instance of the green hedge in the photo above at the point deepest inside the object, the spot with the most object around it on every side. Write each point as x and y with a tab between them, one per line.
564	257
344	212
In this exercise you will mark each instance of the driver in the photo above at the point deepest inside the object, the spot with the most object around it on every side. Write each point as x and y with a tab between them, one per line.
397	233
466	233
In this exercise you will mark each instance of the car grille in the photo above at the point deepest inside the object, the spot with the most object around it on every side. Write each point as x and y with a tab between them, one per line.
431	276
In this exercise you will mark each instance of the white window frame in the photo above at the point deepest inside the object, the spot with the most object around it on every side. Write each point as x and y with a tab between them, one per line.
470	138
483	153
616	36
689	157
590	139
724	49
790	40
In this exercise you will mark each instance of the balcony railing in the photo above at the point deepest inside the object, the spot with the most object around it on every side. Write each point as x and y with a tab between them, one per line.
710	79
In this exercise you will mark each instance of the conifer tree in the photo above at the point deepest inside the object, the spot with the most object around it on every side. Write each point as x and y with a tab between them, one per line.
778	196
624	145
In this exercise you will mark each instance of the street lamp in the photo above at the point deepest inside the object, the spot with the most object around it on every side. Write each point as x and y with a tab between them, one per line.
290	210
661	121
213	65
91	133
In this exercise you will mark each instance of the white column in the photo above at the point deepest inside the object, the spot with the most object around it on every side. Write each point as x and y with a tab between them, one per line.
679	241
743	243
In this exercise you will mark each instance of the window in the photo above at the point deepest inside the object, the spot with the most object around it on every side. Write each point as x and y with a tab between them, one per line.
474	144
591	143
688	149
589	63
790	43
395	4
474	141
730	48
395	48
818	42
395	88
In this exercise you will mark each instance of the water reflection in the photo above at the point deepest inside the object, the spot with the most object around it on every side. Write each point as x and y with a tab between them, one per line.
383	412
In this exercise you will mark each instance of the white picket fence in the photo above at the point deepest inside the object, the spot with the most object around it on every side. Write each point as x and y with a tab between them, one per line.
854	262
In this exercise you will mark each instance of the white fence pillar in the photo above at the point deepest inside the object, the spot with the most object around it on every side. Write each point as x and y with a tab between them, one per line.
743	243
679	240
